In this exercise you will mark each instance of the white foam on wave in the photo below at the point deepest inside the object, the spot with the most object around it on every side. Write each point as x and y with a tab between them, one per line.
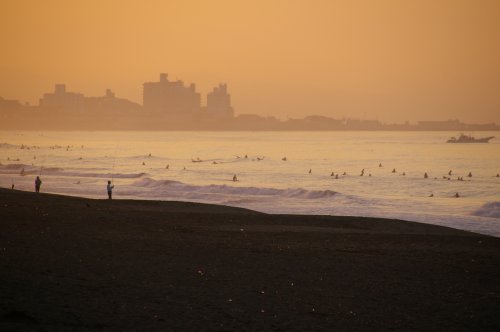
169	186
58	171
491	209
104	175
7	145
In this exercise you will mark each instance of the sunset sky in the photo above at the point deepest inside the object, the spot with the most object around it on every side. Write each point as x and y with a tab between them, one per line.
386	60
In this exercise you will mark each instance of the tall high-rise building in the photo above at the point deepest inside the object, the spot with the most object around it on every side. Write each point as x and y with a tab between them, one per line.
219	103
171	98
63	100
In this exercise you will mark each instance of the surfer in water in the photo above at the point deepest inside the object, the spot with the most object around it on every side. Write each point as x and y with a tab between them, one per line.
425	175
235	178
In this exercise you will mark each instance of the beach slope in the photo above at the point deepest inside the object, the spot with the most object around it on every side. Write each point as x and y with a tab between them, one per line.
75	264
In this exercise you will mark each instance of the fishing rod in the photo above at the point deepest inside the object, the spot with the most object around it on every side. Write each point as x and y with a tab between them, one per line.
41	166
114	163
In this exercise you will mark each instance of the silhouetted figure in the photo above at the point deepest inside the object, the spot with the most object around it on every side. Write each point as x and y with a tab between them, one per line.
235	178
457	195
344	173
143	163
380	165
393	170
284	158
431	195
246	156
167	167
470	174
149	155
38	183
109	188
425	175
336	176
214	162
449	173
498	175
404	174
370	174
332	174
310	171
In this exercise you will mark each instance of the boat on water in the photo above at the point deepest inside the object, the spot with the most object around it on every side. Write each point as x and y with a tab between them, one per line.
469	139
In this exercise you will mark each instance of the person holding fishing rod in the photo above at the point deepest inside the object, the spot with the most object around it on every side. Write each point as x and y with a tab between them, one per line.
110	189
38	181
111	184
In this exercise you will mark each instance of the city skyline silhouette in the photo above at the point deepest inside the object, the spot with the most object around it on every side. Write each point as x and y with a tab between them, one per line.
386	61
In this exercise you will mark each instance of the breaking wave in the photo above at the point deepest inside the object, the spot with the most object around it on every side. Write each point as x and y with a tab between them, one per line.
7	145
491	210
169	186
29	169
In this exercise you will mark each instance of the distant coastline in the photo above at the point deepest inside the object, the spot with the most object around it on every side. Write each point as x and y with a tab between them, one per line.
34	122
172	105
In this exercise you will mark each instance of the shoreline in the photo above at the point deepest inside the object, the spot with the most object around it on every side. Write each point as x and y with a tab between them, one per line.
70	263
401	218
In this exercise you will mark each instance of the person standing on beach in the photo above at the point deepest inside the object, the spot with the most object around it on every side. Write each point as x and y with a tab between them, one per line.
38	183
110	190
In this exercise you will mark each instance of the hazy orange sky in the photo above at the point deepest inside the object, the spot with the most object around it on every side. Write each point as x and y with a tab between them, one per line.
386	60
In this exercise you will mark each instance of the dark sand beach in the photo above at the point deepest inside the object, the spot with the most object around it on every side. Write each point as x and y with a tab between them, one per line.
75	264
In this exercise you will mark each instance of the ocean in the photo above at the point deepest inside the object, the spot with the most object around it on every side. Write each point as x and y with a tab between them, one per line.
277	172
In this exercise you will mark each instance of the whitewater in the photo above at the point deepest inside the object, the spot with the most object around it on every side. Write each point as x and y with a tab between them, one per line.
372	174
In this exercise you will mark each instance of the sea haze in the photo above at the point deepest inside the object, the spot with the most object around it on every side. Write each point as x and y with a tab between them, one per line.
199	167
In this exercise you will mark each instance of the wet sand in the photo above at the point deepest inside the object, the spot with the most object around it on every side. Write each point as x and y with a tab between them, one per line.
74	264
